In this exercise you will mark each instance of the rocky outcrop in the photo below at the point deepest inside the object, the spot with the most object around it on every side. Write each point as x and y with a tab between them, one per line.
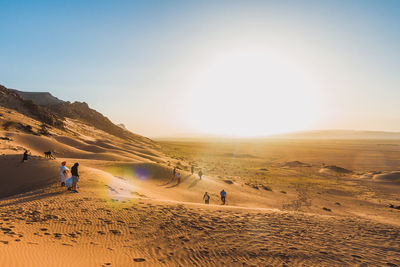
53	111
39	98
12	100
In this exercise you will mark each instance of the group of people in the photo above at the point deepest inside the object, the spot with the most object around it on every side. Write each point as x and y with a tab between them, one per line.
69	178
178	175
207	197
200	173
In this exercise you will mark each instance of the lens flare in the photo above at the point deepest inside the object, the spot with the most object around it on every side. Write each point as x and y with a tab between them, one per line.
141	173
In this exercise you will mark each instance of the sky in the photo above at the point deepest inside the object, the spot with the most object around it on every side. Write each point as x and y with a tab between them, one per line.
230	68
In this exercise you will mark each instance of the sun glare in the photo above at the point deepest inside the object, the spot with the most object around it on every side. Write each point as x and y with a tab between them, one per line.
251	93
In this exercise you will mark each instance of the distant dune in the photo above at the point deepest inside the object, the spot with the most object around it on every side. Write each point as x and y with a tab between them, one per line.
340	134
306	135
393	177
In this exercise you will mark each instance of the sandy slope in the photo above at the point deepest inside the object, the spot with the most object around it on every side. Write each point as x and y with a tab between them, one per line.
130	211
103	225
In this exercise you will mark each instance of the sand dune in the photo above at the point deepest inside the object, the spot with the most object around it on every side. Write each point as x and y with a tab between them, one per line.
393	177
131	211
98	227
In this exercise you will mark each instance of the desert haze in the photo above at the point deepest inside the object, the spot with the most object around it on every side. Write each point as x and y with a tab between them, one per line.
289	202
199	133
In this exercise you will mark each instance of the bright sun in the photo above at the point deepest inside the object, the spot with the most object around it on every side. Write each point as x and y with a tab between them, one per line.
251	93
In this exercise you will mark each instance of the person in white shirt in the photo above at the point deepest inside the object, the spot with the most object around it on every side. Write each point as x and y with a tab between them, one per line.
63	172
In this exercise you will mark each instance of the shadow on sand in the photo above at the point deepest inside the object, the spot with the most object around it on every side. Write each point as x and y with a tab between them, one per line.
182	179
30	197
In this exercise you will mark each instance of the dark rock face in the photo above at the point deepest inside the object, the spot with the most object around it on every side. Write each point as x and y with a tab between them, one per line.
53	111
10	99
82	112
39	98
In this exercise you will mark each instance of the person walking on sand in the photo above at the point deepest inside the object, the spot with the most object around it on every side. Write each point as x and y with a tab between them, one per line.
206	198
63	173
192	169
174	172
25	156
200	174
75	177
223	196
179	178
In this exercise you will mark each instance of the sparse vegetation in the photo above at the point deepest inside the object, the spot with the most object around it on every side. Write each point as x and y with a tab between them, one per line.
266	188
26	128
8	124
44	130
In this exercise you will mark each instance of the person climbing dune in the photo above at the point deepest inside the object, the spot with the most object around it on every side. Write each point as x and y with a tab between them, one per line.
179	178
206	198
223	196
75	177
25	156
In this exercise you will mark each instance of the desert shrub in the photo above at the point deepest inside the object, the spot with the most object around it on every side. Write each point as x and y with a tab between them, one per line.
267	188
8	124
43	130
26	128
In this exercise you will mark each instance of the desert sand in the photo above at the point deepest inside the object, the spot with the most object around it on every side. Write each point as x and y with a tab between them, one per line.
281	210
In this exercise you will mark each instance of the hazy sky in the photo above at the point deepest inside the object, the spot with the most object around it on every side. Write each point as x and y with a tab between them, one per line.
243	68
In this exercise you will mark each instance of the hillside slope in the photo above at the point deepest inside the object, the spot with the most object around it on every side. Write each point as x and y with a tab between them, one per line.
52	111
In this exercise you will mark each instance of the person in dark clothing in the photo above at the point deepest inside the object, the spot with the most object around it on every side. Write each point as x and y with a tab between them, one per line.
192	169
200	174
223	196
206	198
394	207
25	157
75	177
174	172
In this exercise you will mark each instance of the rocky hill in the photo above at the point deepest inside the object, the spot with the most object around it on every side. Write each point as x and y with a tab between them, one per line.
53	112
12	100
39	98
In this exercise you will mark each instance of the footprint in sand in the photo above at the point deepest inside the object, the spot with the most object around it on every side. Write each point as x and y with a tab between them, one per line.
115	232
57	235
73	235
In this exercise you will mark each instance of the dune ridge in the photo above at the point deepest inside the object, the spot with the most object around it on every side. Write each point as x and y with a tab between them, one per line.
131	210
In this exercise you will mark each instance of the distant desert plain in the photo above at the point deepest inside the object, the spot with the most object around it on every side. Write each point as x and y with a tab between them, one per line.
290	201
